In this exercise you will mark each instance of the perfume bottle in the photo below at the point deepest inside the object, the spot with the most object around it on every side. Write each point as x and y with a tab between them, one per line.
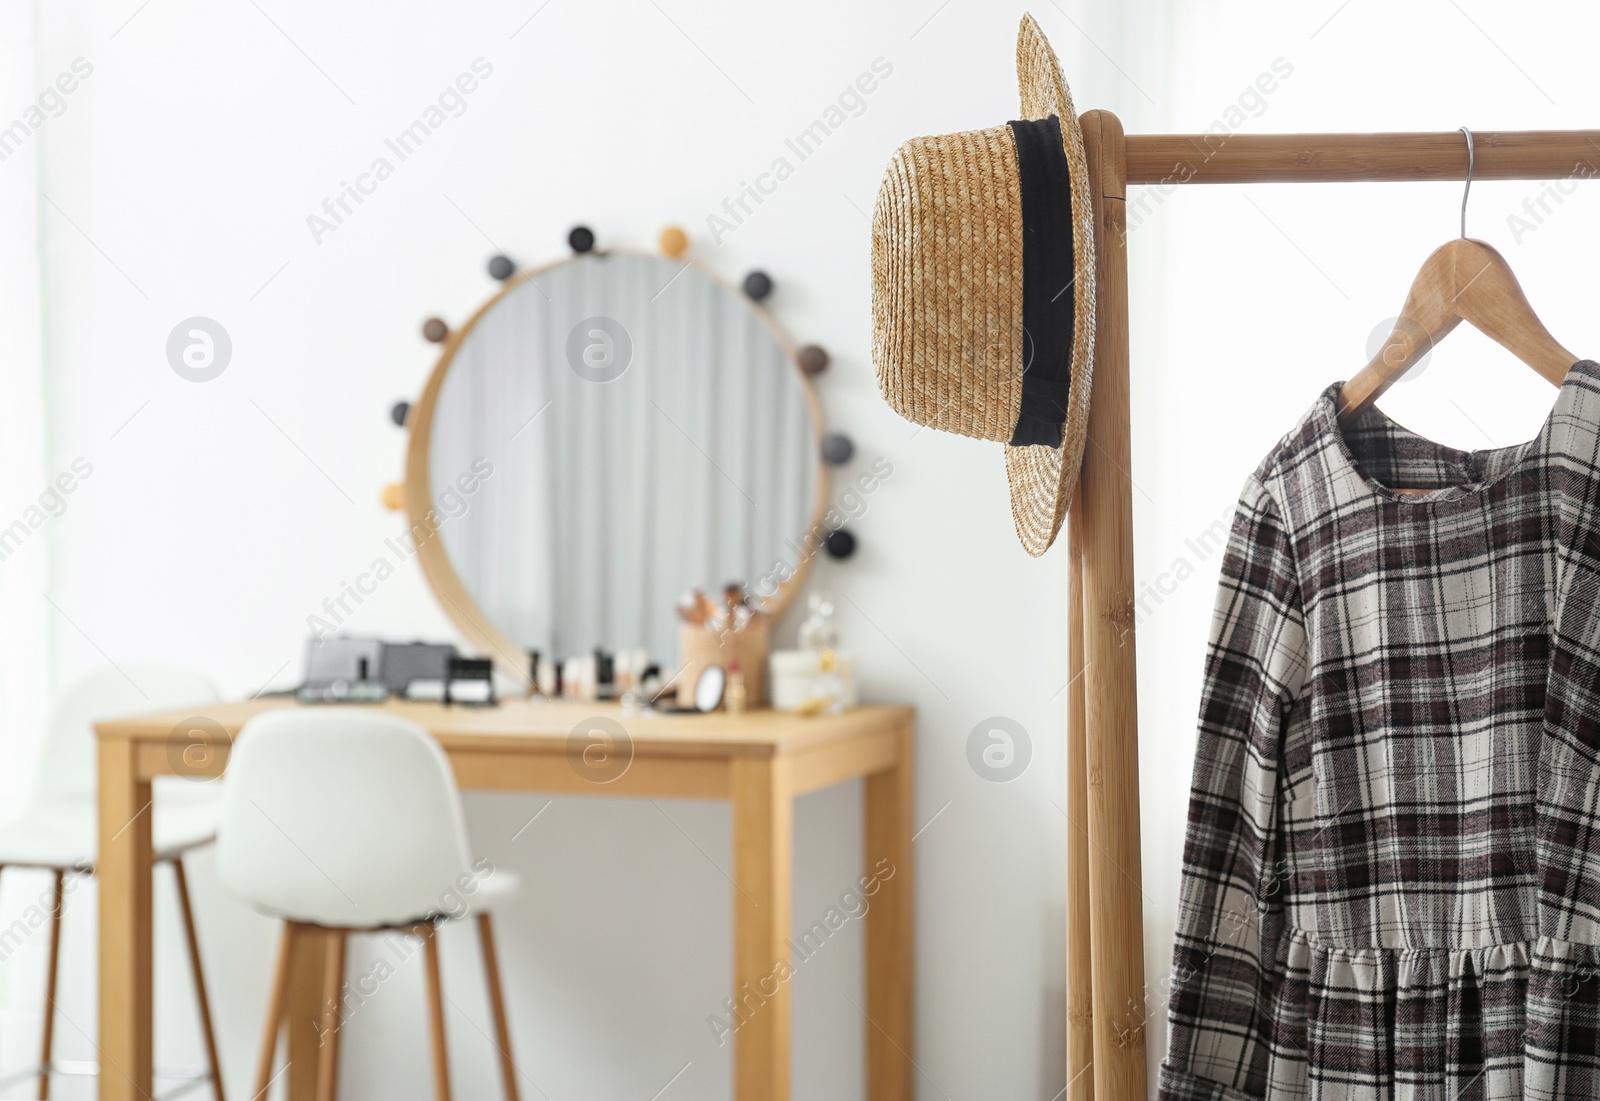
819	631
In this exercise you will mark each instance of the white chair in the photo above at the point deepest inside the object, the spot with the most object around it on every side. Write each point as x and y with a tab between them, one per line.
57	829
342	821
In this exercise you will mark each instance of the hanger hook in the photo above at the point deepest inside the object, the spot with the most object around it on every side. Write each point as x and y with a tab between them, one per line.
1467	190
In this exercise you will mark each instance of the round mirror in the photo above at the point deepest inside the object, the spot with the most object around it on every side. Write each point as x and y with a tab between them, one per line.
604	434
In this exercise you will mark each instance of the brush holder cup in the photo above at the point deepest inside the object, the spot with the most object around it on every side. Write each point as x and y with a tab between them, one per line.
700	647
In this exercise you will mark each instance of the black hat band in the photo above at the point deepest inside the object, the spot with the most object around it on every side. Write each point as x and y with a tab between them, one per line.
1049	305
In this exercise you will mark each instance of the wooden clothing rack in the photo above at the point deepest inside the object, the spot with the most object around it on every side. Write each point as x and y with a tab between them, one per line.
1108	1000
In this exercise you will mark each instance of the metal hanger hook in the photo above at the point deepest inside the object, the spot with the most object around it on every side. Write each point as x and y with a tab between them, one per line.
1467	190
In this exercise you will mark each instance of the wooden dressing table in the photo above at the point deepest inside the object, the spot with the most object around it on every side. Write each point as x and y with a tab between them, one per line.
759	761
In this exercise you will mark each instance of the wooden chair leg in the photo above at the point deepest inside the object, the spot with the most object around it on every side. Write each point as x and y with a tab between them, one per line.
202	999
332	1015
441	1060
52	967
497	1004
276	1003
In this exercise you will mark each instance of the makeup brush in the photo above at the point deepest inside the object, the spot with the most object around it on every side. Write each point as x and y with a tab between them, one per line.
705	609
733	595
692	607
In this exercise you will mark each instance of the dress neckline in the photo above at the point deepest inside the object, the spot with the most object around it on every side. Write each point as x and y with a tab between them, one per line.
1375	423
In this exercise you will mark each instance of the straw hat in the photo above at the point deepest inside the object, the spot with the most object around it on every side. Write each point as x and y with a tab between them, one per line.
983	289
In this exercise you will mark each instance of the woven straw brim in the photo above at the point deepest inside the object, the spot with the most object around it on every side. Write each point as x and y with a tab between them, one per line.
1043	479
947	335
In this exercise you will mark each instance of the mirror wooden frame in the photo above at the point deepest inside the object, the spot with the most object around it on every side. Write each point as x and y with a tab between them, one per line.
417	495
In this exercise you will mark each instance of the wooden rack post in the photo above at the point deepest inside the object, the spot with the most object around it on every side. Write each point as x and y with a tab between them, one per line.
1108	1001
1105	502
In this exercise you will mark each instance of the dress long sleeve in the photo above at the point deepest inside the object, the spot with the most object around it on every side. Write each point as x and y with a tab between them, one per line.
1227	972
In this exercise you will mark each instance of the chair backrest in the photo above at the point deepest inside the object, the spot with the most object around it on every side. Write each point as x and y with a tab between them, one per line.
67	759
341	817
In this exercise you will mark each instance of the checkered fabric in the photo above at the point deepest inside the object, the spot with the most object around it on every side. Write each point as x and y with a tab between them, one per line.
1391	877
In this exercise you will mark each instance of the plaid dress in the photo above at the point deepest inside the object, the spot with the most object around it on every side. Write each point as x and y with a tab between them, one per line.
1391	875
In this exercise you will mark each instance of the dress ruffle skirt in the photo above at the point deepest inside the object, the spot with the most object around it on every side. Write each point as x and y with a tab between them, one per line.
1508	1020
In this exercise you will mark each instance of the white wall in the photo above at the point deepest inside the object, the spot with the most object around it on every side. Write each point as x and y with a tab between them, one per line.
220	515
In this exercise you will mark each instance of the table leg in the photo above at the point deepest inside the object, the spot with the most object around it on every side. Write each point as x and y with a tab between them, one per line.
890	810
127	1071
763	866
303	1018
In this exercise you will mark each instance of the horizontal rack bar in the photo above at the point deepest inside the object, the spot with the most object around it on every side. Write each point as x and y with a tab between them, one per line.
1331	158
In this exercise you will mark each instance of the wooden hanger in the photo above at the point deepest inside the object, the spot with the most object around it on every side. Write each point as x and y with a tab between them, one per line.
1463	280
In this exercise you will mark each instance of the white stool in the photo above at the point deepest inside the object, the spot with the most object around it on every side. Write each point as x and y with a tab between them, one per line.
342	821
57	829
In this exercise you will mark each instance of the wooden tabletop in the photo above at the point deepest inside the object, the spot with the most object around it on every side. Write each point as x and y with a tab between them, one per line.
547	724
